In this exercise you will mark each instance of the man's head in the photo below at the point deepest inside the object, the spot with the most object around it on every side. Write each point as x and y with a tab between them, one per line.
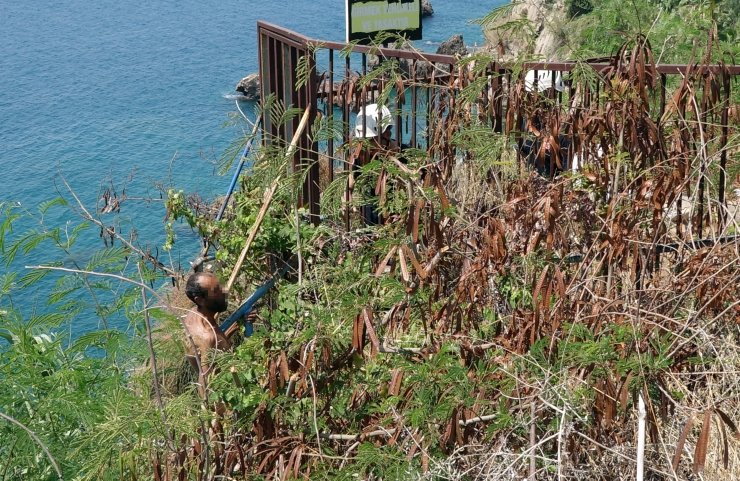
205	291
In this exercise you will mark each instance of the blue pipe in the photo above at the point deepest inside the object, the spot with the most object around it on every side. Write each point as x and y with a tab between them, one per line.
247	148
248	305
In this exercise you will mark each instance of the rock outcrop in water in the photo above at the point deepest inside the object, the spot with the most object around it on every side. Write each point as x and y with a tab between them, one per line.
249	86
426	8
455	45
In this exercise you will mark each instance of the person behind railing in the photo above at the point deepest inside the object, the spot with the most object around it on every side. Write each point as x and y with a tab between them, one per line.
373	127
538	154
204	338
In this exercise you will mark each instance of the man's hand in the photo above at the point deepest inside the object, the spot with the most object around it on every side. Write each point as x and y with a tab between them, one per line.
250	317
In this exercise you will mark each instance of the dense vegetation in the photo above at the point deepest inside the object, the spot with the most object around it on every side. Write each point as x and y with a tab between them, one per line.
500	323
585	29
676	28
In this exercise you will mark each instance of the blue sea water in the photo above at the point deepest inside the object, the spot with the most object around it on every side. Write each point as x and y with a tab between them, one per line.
140	95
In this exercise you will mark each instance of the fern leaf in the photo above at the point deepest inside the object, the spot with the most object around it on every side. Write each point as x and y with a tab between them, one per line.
47	204
46	320
7	226
32	277
303	70
106	258
6	283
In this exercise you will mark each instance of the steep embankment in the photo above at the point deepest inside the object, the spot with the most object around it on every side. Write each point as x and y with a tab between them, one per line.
568	29
529	27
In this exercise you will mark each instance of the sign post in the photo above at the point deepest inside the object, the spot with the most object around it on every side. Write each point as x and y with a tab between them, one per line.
365	18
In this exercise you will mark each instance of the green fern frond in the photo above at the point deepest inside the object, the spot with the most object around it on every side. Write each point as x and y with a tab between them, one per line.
32	277
44	206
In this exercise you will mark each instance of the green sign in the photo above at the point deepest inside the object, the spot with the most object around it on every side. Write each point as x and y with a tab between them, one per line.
366	18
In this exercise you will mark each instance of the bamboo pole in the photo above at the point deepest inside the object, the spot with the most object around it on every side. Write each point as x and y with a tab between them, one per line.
267	199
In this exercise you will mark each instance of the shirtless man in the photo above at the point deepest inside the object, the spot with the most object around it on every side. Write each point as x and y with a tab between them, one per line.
204	289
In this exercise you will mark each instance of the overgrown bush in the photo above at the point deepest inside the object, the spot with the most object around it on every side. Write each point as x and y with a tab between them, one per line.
497	324
578	7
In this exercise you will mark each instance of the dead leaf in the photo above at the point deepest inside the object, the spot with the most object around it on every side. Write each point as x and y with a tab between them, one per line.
700	453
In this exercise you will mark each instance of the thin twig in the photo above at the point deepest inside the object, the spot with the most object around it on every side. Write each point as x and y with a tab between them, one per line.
145	255
36	439
153	362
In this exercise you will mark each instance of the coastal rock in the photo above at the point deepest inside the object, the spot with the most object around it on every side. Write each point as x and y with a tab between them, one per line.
455	45
422	66
249	86
426	8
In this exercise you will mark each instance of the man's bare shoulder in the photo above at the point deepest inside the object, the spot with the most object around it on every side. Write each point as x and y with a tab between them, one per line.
205	335
193	319
196	326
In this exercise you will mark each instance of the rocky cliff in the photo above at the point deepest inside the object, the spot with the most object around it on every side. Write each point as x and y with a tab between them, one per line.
534	27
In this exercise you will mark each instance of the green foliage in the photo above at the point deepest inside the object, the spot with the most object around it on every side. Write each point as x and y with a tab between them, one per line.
453	355
677	30
578	7
55	390
81	395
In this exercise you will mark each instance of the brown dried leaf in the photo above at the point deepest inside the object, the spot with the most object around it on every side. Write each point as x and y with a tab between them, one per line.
725	446
381	267
298	452
729	422
349	94
560	282
368	316
624	391
700	453
284	366
414	261
540	282
272	377
395	385
443	195
413	225
404	268
681	441
358	334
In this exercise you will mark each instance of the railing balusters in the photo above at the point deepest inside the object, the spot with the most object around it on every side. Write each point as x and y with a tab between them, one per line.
330	117
413	103
280	51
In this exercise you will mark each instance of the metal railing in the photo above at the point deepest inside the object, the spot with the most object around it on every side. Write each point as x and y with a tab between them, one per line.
334	79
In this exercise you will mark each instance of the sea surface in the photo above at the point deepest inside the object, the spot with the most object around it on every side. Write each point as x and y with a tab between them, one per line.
139	96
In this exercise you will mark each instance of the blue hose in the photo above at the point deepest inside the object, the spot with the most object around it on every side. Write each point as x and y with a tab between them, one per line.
247	148
248	305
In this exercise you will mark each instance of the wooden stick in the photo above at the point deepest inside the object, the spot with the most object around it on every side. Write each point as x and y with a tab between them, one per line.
267	199
532	445
641	414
